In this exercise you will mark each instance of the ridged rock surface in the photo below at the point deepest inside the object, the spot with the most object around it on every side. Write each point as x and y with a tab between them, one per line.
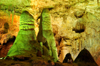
76	24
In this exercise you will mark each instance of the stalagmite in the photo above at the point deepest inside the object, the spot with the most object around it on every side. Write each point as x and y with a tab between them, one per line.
26	36
46	34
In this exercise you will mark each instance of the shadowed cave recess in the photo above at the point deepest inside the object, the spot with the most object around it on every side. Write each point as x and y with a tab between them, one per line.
49	33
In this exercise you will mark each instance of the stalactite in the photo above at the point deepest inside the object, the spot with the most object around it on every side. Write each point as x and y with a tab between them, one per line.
12	17
8	14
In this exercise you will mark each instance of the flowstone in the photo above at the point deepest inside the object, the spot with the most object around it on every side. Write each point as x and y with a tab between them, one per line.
45	34
26	36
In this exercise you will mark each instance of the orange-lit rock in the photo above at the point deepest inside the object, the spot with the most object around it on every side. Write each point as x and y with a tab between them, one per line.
98	61
5	48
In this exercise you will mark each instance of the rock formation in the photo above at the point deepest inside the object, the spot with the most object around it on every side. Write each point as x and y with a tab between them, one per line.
26	36
68	58
77	23
3	51
46	34
85	57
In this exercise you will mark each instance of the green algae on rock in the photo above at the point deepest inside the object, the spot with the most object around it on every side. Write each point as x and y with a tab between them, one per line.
46	34
26	36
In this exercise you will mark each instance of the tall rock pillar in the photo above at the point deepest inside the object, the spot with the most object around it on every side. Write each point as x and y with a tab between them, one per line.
45	34
25	36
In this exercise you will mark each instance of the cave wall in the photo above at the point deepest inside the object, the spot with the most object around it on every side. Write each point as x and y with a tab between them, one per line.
75	23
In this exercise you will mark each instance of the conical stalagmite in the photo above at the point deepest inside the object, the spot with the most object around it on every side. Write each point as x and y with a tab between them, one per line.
46	34
25	37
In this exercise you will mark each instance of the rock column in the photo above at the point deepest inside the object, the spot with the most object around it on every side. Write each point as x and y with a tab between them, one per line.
46	34
25	36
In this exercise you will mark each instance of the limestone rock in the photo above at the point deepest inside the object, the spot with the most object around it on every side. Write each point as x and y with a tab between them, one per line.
26	31
85	56
79	27
68	58
45	31
63	16
79	14
6	46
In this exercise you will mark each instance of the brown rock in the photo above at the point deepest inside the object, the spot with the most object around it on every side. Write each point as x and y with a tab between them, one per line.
4	31
5	47
79	27
13	64
98	61
50	63
6	26
39	54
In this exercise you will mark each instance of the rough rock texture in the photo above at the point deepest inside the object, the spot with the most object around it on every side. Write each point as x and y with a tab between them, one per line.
26	37
85	57
6	46
68	58
77	23
46	35
7	29
33	62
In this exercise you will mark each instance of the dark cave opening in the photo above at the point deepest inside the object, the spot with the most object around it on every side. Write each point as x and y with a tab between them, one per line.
79	31
4	48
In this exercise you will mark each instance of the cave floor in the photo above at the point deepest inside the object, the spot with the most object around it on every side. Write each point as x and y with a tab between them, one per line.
38	62
33	63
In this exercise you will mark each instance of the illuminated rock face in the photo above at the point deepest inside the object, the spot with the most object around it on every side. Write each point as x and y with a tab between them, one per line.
25	36
46	34
7	31
68	16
